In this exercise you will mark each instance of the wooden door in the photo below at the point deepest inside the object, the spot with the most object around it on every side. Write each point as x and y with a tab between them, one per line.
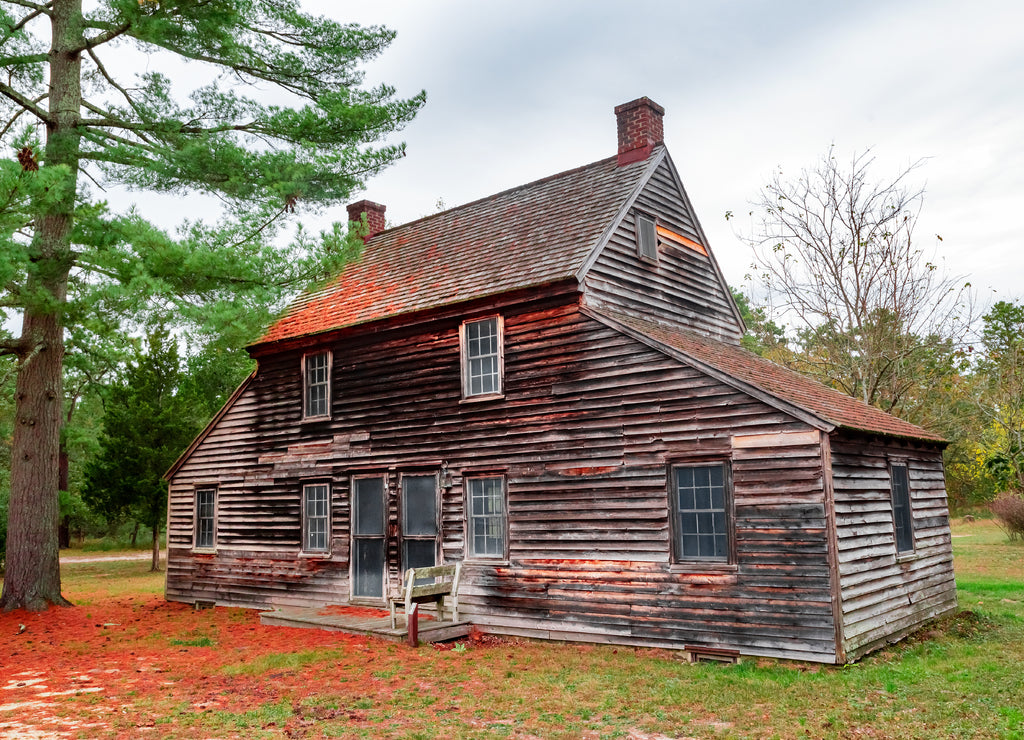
419	521
369	544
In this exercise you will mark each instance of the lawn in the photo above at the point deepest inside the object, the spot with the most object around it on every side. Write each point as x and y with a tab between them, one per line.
123	663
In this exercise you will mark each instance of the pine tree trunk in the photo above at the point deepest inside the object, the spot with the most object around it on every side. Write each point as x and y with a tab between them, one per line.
32	580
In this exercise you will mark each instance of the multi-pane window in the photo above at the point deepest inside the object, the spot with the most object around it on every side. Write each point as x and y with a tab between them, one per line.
482	360
646	237
318	384
487	518
700	508
901	514
316	517
206	500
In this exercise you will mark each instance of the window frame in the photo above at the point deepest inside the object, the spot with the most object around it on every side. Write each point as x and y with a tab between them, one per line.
910	533
306	386
465	358
689	562
197	528
470	553
639	215
306	518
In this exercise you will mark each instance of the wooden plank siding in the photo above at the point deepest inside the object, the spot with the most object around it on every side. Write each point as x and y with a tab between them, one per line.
586	431
884	595
682	287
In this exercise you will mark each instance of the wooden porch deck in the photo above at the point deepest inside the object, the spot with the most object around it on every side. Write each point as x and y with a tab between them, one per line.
363	621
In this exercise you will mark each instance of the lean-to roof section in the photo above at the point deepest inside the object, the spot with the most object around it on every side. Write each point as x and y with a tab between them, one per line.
786	389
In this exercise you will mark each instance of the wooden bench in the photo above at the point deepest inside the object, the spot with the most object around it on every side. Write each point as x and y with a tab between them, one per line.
444	582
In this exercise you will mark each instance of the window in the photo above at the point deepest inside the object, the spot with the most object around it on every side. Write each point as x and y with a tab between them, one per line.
317	382
482	362
316	517
206	507
488	521
700	509
646	237
902	519
419	521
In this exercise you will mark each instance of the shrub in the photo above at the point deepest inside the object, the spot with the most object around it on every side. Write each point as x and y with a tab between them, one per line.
1009	510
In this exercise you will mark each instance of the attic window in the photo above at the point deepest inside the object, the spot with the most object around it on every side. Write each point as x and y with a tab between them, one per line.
646	237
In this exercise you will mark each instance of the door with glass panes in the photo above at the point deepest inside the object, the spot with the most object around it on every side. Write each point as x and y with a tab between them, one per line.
414	540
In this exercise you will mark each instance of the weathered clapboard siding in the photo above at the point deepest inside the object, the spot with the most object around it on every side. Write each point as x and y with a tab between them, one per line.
589	422
682	287
885	596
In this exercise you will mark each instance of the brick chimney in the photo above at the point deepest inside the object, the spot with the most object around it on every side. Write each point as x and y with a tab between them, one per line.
640	129
374	216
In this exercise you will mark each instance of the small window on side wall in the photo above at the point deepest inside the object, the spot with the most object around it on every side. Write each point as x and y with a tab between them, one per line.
483	364
316	517
488	518
316	385
206	519
902	516
646	237
700	509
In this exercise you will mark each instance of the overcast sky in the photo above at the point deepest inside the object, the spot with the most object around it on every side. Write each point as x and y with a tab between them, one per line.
521	90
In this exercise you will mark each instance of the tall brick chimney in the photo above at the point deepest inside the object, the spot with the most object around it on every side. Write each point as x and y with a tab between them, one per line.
374	216
640	129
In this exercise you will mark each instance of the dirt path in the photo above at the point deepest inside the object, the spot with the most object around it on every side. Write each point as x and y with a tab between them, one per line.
105	558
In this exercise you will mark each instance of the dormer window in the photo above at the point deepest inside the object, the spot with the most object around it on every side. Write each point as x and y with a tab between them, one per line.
316	374
646	237
482	357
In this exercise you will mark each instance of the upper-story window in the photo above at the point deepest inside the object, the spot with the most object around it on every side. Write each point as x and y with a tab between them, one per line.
316	375
482	357
902	518
646	236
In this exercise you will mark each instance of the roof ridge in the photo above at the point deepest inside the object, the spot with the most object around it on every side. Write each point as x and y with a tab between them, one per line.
493	196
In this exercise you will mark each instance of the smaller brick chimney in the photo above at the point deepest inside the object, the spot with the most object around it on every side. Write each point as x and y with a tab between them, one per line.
640	129
374	216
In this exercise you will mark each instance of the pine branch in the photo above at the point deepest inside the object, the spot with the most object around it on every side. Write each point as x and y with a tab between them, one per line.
108	35
112	82
38	7
11	30
28	105
16	116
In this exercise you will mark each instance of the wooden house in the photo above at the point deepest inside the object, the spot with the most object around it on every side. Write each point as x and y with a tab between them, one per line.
547	385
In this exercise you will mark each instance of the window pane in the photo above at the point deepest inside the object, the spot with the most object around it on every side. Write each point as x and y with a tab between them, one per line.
417	554
701	515
902	516
487	517
482	357
205	499
317	384
368	506
419	505
368	567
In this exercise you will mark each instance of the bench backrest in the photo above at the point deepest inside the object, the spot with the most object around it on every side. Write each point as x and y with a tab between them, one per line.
448	583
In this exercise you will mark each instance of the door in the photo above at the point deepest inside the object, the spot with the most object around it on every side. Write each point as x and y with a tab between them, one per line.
419	521
368	538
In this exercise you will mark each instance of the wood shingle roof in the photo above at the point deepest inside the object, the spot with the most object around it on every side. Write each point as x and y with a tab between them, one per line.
532	235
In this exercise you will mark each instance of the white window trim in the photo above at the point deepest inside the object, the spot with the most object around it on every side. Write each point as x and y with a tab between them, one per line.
470	555
305	520
212	547
464	359
306	416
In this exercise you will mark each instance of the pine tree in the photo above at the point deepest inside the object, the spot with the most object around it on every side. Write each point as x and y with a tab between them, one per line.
74	269
147	422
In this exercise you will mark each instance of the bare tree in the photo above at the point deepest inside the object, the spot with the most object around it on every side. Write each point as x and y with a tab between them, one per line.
871	312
